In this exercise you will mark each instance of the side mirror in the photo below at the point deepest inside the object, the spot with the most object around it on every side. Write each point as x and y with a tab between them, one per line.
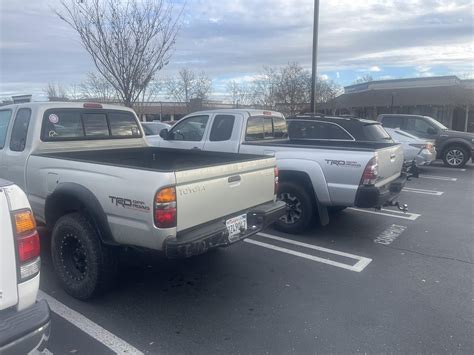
431	131
164	133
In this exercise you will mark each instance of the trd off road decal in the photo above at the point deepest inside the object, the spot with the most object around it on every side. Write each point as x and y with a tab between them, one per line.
343	163
129	204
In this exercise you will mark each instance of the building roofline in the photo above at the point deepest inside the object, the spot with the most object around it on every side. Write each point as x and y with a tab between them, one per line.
403	80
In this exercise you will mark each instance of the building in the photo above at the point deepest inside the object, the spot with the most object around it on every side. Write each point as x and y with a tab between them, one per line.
448	99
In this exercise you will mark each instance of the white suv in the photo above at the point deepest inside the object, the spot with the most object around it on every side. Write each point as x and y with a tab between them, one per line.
24	322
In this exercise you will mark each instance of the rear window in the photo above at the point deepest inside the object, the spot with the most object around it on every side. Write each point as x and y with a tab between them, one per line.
81	124
5	117
375	133
392	121
317	130
259	128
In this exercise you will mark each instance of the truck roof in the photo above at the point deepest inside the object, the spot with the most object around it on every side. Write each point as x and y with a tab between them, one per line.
4	183
65	104
250	112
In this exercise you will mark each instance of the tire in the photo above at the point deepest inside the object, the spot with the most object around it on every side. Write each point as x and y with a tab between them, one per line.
455	156
300	209
336	209
84	266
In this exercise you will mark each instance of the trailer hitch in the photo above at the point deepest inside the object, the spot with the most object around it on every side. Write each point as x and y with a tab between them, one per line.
403	208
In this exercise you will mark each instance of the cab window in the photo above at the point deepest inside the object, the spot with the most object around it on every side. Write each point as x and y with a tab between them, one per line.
254	129
5	117
191	129
20	130
417	125
222	128
392	121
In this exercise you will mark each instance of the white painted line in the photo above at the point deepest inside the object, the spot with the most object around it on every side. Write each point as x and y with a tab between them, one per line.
422	191
433	177
361	264
401	215
389	235
102	335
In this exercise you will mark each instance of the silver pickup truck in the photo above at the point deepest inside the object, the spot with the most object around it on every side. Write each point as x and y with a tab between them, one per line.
93	180
316	175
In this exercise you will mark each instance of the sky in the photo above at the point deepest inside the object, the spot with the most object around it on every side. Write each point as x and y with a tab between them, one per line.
233	40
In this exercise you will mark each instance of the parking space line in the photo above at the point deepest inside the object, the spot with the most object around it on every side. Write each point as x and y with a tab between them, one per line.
423	191
94	330
398	214
434	177
361	264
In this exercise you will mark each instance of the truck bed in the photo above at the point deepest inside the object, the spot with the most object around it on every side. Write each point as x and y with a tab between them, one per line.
336	145
156	159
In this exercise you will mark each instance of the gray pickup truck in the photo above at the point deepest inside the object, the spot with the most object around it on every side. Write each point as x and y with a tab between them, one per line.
93	180
317	176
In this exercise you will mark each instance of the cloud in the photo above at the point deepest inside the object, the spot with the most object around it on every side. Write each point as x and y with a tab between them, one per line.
231	39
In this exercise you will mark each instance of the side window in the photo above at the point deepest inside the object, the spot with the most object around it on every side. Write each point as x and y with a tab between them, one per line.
268	127
307	130
417	125
191	129
336	132
95	124
254	129
5	117
392	122
20	130
279	128
222	128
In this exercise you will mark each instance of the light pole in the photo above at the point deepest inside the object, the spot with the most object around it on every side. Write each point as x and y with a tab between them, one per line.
315	56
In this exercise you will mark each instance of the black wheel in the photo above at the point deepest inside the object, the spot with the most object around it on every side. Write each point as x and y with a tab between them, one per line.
336	209
300	209
455	156
85	267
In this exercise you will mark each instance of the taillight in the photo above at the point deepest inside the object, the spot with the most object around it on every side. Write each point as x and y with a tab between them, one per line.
275	189
370	175
28	244
165	208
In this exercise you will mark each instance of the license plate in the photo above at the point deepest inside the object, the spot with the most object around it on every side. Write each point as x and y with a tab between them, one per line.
235	226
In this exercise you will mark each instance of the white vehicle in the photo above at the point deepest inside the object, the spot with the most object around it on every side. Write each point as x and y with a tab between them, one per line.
24	322
97	185
152	131
419	150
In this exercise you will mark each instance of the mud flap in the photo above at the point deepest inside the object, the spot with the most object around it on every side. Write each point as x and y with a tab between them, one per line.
323	213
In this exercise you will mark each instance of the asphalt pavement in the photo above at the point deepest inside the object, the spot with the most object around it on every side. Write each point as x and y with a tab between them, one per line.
370	282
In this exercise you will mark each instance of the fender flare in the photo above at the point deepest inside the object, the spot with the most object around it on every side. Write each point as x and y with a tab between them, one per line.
71	197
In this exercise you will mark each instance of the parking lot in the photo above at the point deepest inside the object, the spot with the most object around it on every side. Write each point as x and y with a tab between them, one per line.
370	282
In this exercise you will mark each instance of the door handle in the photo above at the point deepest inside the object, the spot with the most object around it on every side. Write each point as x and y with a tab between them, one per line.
234	178
269	152
393	156
196	148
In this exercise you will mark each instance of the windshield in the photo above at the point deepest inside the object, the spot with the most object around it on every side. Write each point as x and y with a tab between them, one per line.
436	123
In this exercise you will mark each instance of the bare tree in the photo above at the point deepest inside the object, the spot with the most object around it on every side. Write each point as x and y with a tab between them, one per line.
288	89
56	92
129	41
97	88
188	85
240	93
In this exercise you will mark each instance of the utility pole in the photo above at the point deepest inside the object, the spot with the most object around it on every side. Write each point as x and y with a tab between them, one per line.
315	56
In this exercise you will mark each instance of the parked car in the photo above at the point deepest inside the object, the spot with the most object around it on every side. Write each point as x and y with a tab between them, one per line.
98	185
152	131
420	151
24	321
322	166
453	147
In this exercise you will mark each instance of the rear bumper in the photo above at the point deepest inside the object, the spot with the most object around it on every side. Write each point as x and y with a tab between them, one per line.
24	331
215	234
425	157
372	196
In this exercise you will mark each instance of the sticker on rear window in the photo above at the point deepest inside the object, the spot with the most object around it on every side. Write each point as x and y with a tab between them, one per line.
53	118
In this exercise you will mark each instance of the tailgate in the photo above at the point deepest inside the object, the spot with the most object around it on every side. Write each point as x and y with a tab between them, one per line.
390	163
210	193
8	277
